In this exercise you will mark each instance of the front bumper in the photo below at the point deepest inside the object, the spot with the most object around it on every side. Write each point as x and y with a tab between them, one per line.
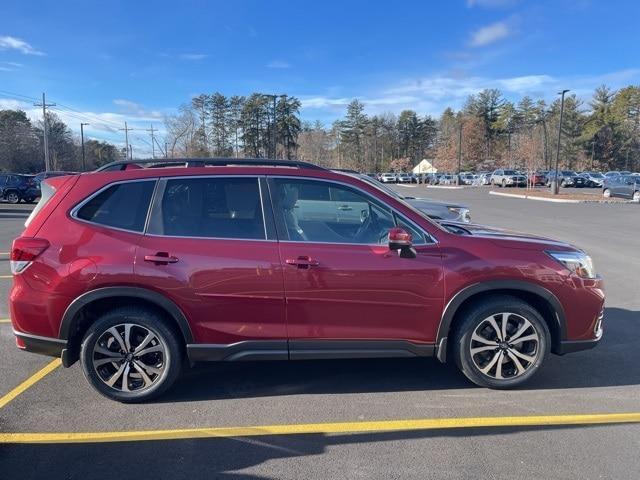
571	346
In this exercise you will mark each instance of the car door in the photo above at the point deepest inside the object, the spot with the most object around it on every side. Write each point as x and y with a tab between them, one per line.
341	281
617	185
627	186
211	247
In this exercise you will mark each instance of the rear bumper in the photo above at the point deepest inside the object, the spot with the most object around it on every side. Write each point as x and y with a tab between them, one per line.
52	347
37	344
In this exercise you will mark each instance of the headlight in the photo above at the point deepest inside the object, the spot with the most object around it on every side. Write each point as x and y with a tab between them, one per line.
576	262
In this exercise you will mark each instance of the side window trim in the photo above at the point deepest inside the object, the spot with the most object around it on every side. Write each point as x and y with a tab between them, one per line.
281	227
73	213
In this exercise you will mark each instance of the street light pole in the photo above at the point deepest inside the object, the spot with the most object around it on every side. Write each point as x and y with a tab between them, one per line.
459	152
554	184
84	163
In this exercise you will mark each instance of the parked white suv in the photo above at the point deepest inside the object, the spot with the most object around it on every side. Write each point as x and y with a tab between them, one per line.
388	178
508	178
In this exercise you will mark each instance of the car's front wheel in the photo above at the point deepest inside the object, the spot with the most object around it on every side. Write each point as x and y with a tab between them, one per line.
606	193
13	197
636	197
130	355
501	343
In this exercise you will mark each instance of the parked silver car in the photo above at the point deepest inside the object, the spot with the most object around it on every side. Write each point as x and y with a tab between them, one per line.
433	209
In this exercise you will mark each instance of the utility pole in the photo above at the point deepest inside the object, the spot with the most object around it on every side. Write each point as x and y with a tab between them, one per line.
153	147
44	105
126	138
555	185
130	152
593	151
84	164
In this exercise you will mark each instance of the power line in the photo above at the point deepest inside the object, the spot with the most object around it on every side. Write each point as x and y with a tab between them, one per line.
17	95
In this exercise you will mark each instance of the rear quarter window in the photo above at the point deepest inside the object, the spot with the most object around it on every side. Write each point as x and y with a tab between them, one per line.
122	205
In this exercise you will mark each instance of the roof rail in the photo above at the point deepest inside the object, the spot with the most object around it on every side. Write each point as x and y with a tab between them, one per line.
202	162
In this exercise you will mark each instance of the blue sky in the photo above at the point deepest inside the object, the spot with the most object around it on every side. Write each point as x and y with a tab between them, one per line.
138	61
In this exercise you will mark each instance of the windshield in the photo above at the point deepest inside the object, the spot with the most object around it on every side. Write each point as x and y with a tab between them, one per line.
510	172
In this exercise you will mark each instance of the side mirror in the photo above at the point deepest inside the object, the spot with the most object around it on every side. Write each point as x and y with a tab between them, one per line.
401	240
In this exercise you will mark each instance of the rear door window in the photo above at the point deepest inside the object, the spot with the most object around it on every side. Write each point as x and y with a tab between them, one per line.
122	205
209	207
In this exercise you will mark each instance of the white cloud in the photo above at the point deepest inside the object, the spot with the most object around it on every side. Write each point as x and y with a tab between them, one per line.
193	56
278	64
489	34
13	43
432	94
136	110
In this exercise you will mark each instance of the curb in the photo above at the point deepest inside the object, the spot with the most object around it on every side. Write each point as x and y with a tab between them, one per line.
555	200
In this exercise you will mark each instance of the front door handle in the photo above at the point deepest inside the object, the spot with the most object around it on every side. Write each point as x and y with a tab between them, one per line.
302	262
345	208
161	258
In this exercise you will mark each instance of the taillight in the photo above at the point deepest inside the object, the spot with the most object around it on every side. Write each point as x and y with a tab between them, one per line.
24	251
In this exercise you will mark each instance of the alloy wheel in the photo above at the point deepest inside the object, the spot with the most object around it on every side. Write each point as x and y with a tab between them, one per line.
636	196
606	193
13	197
129	357
504	346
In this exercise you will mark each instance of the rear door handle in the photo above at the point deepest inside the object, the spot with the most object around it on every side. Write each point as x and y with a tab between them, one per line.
302	262
161	258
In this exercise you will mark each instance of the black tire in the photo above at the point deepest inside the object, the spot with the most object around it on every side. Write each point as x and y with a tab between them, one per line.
475	316
12	197
166	337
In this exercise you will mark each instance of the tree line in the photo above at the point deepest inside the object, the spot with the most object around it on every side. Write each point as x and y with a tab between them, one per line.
257	125
22	145
487	132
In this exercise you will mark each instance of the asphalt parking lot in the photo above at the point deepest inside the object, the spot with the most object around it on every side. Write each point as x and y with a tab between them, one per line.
318	417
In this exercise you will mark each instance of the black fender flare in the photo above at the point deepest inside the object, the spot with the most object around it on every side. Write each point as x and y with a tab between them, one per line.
462	295
134	292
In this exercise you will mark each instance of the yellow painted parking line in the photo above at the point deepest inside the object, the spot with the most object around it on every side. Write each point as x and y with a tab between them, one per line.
29	382
5	320
6	276
321	428
5	253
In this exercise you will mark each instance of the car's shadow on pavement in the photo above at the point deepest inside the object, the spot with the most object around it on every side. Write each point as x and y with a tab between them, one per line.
612	363
225	458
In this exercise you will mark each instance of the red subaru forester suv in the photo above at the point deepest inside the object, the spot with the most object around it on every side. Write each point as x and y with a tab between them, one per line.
136	271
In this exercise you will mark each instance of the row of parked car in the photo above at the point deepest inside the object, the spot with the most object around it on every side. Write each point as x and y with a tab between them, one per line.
17	187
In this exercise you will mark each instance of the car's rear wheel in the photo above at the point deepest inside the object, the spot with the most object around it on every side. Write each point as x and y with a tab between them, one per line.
130	355
501	343
13	197
606	193
636	197
504	183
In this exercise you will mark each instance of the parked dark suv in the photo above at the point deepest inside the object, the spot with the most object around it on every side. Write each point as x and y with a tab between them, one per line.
135	270
15	188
